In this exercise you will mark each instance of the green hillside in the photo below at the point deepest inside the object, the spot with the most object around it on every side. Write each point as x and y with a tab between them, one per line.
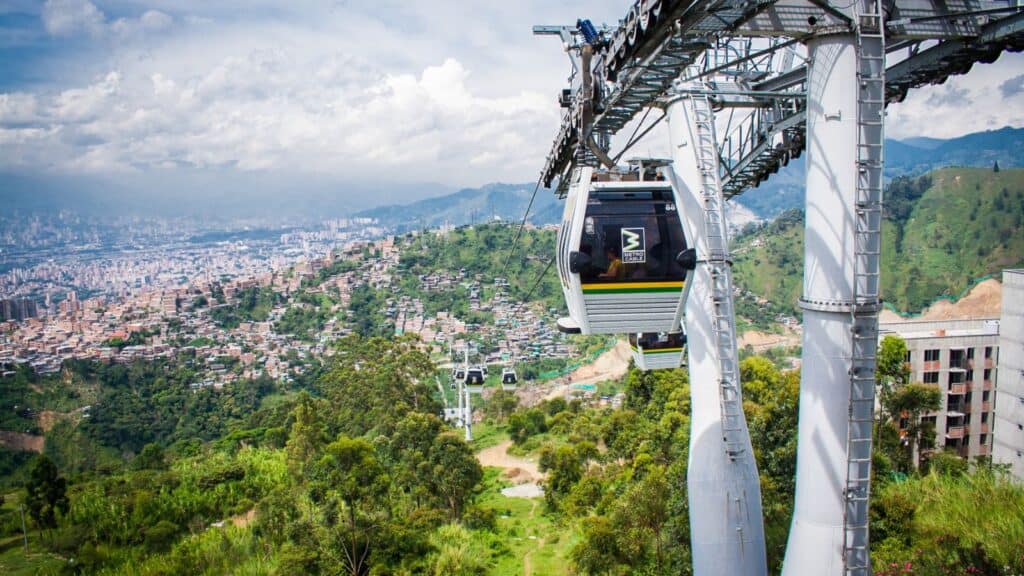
941	231
768	265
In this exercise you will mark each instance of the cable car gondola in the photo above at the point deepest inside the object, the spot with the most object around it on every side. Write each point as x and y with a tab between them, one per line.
475	380
623	258
657	351
509	378
460	374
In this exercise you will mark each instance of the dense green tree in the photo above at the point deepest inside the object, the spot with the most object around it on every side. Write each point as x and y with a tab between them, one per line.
307	435
151	458
454	472
45	493
909	402
349	474
598	552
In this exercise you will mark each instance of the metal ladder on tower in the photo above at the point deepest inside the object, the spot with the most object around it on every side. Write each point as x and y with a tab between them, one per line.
706	149
870	43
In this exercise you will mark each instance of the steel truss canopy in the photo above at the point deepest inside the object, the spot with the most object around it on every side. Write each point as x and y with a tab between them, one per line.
620	71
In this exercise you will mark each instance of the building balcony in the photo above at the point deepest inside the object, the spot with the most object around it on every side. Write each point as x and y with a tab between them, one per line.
930	366
954	432
983	428
986	385
986	406
958	388
984	450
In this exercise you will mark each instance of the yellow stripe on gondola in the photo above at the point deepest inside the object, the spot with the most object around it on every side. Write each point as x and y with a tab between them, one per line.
658	351
632	287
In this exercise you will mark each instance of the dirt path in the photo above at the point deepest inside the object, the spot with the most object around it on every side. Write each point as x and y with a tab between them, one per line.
527	564
518	470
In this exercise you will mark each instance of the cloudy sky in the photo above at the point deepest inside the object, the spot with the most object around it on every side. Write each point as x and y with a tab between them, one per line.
454	93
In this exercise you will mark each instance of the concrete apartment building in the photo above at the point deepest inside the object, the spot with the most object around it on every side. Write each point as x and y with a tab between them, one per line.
1008	447
960	357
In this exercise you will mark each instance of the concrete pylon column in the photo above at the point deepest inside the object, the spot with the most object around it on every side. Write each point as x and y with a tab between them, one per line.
726	525
816	537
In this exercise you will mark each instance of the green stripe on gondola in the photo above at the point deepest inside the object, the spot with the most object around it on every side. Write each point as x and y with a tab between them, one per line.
632	288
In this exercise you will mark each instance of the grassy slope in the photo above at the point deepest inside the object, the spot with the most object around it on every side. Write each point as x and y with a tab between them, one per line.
773	270
527	531
965	226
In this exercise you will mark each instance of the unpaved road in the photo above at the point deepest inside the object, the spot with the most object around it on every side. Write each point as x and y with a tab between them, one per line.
518	470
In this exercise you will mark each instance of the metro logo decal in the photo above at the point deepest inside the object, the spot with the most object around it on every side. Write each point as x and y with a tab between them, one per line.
634	248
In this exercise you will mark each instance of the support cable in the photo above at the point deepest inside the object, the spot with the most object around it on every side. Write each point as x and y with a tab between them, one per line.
519	232
637	138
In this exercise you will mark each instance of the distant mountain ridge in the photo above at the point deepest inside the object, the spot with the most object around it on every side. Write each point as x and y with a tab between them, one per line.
910	157
470	205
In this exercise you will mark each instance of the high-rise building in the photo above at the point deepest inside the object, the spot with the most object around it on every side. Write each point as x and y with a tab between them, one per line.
960	357
18	309
1008	447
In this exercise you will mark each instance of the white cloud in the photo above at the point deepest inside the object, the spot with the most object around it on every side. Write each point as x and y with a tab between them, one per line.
274	110
71	17
963	104
442	91
67	17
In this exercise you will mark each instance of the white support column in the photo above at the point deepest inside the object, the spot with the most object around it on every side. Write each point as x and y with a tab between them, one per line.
726	525
816	539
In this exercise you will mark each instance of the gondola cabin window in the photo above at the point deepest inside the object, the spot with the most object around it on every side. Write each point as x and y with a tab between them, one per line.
631	237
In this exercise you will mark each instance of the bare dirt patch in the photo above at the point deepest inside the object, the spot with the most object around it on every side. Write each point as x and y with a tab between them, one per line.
243	520
762	341
47	418
610	365
520	470
22	442
983	301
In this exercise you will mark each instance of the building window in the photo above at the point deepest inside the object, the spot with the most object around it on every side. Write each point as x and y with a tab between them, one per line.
956	359
970	353
984	396
907	357
984	440
988	351
931	355
931	377
984	417
988	374
956	378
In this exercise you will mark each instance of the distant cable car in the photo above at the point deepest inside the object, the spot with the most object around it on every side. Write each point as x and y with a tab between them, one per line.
658	351
475	380
623	258
475	376
509	378
460	374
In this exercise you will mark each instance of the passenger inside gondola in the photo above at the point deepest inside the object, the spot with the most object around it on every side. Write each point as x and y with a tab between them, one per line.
615	269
